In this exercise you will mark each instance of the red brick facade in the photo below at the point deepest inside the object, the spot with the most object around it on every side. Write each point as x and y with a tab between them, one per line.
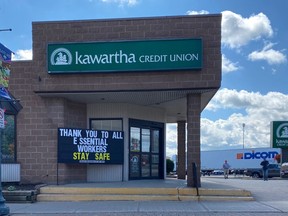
41	116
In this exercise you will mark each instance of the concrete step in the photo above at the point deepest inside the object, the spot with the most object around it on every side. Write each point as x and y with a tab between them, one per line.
58	193
20	196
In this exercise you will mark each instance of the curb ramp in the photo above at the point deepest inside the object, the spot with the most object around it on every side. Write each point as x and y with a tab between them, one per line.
58	193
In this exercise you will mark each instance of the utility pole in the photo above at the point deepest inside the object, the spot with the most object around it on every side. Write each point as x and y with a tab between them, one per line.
243	134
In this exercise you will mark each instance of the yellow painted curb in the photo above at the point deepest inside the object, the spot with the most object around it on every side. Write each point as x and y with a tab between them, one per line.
74	190
60	193
83	197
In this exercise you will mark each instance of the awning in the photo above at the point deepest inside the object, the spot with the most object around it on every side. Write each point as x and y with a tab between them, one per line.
8	102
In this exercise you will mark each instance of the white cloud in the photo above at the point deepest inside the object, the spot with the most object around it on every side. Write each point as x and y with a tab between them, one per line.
228	66
171	139
260	110
229	99
22	55
233	99
122	2
197	12
268	54
238	31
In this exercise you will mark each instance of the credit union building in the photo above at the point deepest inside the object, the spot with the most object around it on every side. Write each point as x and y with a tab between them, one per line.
98	93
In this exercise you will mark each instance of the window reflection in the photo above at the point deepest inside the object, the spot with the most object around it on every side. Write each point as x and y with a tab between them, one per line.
135	139
145	140
155	141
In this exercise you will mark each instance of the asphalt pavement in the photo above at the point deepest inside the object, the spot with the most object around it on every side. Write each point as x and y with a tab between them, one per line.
271	199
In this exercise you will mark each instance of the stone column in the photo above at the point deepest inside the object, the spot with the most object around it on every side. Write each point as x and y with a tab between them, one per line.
181	155
193	137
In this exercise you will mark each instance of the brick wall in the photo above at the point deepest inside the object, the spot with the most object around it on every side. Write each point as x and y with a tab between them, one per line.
206	27
37	127
75	114
193	138
41	116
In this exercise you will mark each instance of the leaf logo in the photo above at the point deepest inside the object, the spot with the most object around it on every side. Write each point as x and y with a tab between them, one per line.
282	131
61	56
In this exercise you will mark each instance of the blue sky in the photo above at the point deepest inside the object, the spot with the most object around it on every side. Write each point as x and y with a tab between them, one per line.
254	62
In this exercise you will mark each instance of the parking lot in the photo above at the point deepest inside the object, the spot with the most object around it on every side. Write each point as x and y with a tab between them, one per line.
275	189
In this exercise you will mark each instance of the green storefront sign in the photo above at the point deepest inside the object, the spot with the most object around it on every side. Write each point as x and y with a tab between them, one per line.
279	136
182	54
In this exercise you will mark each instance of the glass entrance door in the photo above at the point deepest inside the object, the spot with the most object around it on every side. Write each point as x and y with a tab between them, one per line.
145	154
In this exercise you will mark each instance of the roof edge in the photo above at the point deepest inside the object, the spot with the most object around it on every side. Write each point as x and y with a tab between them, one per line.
131	18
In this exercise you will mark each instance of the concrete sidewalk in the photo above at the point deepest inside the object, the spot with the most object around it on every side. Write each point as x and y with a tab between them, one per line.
147	208
271	199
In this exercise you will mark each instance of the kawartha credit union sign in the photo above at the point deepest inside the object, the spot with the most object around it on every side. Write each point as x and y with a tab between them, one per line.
279	134
93	57
90	146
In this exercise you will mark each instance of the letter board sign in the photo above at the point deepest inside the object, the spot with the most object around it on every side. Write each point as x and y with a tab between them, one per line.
90	146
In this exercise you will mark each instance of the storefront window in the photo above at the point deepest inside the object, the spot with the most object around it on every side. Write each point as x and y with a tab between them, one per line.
8	140
145	140
145	165
155	170
146	155
155	141
134	165
106	124
135	139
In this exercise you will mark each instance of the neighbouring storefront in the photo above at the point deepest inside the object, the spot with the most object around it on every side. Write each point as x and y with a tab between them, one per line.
279	138
98	93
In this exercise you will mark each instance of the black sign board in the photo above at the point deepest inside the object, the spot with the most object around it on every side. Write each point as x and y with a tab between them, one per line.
90	146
